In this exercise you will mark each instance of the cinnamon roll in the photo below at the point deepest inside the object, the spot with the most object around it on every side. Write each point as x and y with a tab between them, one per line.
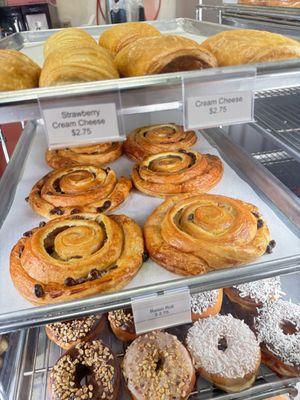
95	154
76	256
72	190
154	139
191	235
171	173
17	71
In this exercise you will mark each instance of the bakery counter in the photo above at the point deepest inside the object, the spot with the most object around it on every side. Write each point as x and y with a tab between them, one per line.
39	355
243	178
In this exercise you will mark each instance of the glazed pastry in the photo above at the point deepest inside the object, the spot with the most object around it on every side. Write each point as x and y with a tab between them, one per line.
77	64
248	46
166	53
225	352
93	360
17	71
77	256
67	334
118	36
167	174
154	139
206	304
68	37
248	298
122	324
95	154
68	191
278	330
157	366
191	235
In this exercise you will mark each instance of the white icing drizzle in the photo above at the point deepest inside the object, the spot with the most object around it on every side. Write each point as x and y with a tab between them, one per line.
241	356
202	301
269	331
262	291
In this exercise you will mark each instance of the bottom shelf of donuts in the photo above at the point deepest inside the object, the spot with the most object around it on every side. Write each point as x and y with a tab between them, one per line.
157	363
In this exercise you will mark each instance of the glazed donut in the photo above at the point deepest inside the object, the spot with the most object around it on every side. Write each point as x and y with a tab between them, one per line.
248	298
154	139
157	366
206	304
122	324
95	154
225	352
74	190
191	235
67	334
75	257
278	330
93	360
171	173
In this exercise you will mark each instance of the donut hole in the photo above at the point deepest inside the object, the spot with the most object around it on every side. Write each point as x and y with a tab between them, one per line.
288	327
222	343
82	374
159	364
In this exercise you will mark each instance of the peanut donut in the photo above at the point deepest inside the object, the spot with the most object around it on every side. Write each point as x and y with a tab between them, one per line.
278	330
157	366
225	352
122	324
206	304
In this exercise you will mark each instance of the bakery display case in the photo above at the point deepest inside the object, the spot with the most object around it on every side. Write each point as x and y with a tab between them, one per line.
237	170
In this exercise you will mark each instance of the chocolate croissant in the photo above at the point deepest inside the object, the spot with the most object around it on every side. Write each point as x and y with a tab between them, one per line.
76	256
171	173
161	54
154	139
17	71
250	46
117	37
96	155
72	190
191	235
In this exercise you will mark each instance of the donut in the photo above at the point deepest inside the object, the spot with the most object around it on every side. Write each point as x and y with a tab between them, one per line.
278	330
225	352
122	324
157	366
247	298
206	304
93	361
67	334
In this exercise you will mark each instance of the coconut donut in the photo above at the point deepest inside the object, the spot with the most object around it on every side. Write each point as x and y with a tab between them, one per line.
206	304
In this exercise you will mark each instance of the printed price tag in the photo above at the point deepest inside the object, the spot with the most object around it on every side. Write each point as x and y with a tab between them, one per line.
220	109
161	311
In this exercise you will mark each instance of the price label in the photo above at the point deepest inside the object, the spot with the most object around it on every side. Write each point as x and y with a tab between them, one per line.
161	311
219	109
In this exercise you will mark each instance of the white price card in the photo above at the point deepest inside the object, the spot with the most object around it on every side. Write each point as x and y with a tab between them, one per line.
160	311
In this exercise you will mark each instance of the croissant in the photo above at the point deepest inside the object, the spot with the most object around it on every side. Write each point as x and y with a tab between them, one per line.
160	54
68	37
76	256
17	71
96	155
171	173
77	64
191	235
154	139
116	38
72	190
251	46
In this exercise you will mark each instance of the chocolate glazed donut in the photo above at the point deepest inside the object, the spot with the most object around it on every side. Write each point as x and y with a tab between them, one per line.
122	324
93	361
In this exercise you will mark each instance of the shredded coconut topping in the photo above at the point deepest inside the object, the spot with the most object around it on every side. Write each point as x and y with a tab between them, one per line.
202	301
269	325
241	356
262	291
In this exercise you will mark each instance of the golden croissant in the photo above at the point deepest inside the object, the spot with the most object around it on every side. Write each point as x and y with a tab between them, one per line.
251	46
160	54
17	71
117	37
194	234
76	256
